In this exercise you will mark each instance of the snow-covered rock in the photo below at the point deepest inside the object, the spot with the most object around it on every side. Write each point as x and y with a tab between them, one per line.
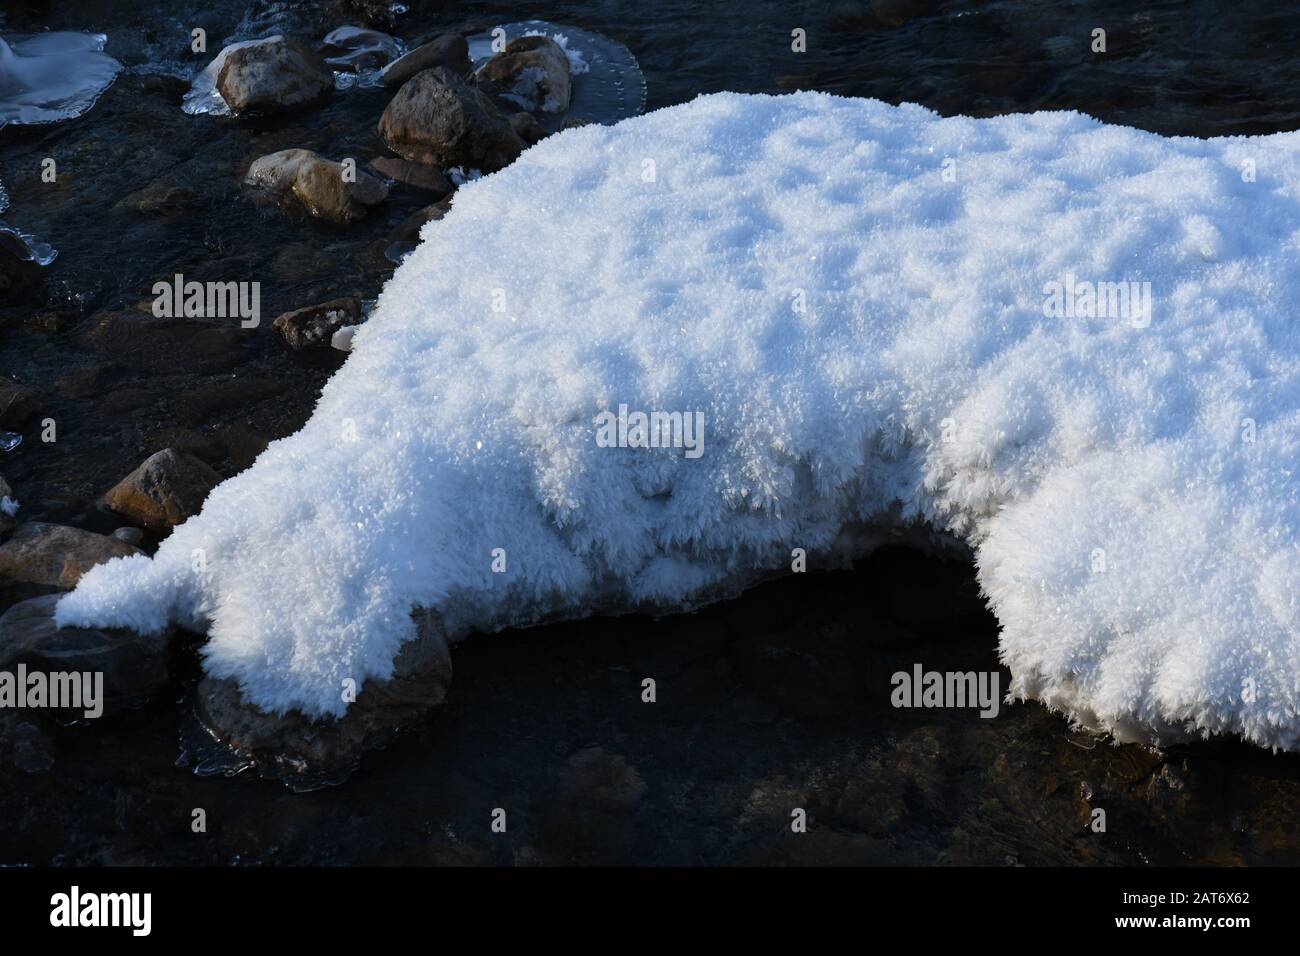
880	316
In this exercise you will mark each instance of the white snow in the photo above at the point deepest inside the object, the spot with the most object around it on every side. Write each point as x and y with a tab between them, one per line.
1129	487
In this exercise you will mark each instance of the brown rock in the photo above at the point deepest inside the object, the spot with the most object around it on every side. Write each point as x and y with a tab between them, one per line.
168	488
321	186
304	752
325	187
437	118
311	327
276	75
134	665
449	50
419	175
56	555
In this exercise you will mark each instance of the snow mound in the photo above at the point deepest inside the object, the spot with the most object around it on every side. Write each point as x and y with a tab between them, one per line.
881	315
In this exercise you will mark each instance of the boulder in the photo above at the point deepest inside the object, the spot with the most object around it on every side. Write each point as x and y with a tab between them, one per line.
449	50
303	752
56	555
429	178
134	665
162	199
532	72
168	488
439	119
313	326
273	76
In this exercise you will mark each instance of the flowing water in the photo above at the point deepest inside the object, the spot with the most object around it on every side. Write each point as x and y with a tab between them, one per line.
774	701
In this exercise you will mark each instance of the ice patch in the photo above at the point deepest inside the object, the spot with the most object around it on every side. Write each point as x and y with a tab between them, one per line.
47	77
854	296
608	85
361	56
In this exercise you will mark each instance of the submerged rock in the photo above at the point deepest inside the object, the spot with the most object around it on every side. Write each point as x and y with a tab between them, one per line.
591	815
20	271
164	199
272	75
437	118
167	488
152	342
329	190
18	403
408	230
331	194
57	555
306	753
315	325
421	176
531	72
133	665
449	50
24	744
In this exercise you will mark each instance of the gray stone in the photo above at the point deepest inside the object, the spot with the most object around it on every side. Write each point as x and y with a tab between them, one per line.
438	119
280	74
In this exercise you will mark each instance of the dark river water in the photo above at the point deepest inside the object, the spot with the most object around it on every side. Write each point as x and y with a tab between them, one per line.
774	701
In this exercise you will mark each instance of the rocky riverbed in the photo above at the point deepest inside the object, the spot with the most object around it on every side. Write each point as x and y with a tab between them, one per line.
333	157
